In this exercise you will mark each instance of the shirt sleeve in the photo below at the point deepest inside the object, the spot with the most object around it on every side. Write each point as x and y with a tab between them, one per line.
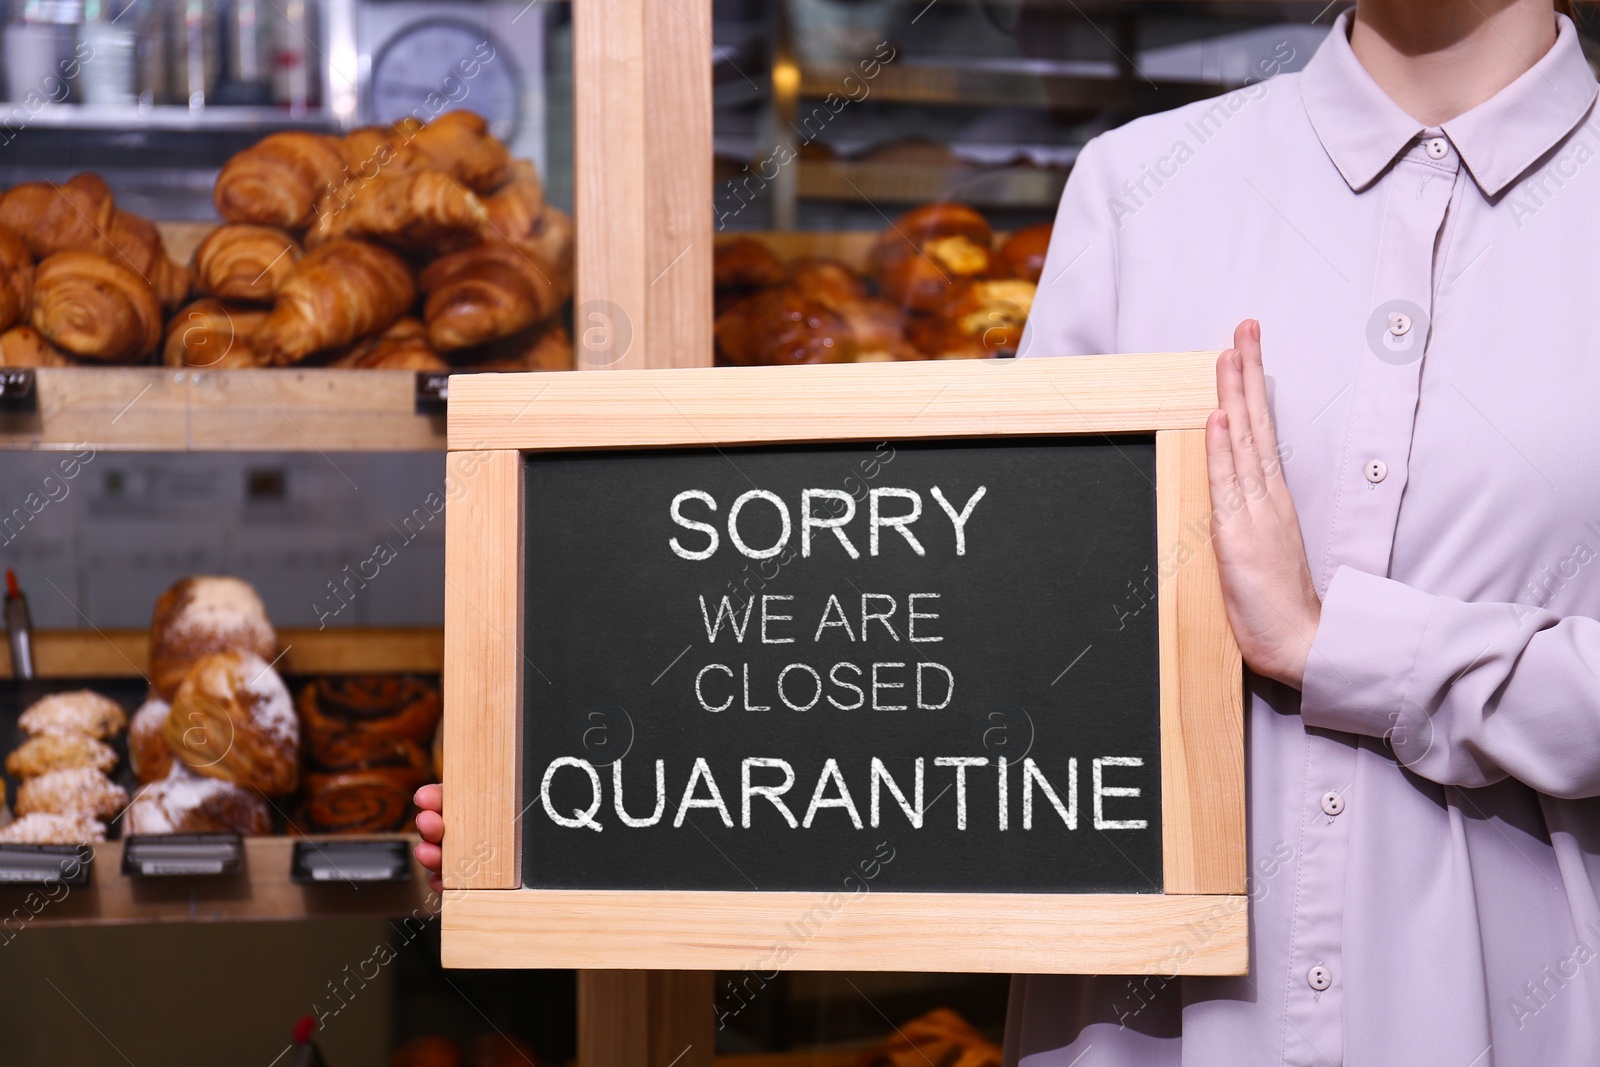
1075	307
1466	693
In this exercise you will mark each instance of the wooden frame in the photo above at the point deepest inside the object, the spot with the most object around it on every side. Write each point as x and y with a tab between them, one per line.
1197	925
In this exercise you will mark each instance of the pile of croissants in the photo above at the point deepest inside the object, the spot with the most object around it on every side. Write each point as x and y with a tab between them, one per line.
413	246
938	285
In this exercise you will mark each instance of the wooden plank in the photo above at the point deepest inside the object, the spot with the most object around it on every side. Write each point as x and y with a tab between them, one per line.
261	890
482	680
103	408
854	401
996	932
1202	702
645	1018
677	161
125	653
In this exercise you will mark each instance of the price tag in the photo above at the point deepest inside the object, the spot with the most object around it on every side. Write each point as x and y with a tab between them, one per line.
18	390
181	855
38	864
355	860
433	391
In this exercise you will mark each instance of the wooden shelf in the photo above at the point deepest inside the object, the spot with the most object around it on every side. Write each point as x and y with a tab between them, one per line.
261	891
125	653
921	183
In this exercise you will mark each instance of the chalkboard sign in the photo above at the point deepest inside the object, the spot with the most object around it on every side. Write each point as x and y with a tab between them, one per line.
911	666
756	668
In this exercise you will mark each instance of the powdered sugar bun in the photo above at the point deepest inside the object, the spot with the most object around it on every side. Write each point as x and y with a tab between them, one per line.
232	718
202	615
147	743
43	828
79	711
186	803
53	751
73	791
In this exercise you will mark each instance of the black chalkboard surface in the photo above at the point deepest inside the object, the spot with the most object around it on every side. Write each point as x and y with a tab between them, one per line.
1013	618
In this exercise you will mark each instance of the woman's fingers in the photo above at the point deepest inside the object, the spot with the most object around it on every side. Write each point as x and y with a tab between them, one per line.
1230	398
432	858
430	798
430	827
1247	339
1220	471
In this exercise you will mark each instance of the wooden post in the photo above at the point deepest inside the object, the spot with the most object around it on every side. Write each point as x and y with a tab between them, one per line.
642	125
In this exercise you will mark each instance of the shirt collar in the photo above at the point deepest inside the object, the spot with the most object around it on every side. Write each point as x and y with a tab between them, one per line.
1362	130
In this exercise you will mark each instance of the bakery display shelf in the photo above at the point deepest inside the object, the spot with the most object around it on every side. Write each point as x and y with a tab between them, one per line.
231	118
261	890
920	183
125	653
1016	82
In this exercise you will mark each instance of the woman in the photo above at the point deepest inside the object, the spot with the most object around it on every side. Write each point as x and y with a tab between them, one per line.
1406	561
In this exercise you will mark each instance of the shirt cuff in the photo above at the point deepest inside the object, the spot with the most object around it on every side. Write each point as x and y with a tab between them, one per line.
1363	654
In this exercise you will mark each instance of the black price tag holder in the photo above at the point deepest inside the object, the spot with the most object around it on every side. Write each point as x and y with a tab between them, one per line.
43	864
19	391
355	860
433	391
182	855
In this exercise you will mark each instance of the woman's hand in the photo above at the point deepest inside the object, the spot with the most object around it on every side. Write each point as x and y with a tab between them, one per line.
1271	600
430	824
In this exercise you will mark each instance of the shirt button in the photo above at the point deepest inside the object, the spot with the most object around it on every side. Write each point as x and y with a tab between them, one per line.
1437	147
1332	803
1376	471
1319	978
1399	323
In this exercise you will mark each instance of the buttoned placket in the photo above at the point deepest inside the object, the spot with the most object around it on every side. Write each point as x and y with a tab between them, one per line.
1417	193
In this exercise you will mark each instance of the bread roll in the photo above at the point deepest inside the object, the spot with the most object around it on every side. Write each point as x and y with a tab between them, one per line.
42	828
148	753
44	753
744	265
338	293
91	307
199	616
16	279
232	719
279	180
23	346
72	791
1023	253
489	291
977	320
243	262
214	335
183	802
781	327
924	252
78	711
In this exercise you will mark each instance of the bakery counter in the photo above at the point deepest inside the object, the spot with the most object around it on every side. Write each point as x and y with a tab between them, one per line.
260	890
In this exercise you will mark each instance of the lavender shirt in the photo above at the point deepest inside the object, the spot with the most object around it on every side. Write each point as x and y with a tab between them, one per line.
1424	842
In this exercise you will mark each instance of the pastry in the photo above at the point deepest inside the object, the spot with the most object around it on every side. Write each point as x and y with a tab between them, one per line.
977	320
244	262
371	801
80	711
339	292
43	753
415	210
72	791
91	307
42	828
148	753
744	265
929	249
489	291
460	144
780	326
136	244
202	615
72	216
367	149
512	212
551	238
827	281
547	346
1023	253
183	802
403	346
16	279
232	719
384	706
278	181
23	346
940	1037
210	333
427	1052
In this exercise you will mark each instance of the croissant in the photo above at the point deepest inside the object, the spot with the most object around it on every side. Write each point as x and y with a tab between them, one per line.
134	241
16	279
368	148
424	209
460	144
94	308
1024	251
547	346
243	262
403	346
23	346
489	291
210	333
278	180
552	238
232	719
336	293
73	216
515	207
